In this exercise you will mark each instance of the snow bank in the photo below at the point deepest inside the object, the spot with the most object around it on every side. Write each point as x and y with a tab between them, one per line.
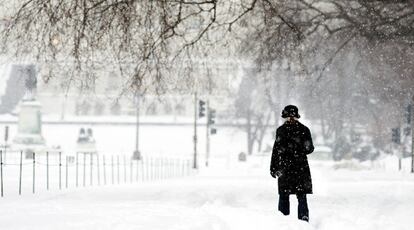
240	197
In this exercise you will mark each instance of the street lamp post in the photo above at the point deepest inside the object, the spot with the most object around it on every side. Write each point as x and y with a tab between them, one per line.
137	154
412	134
208	132
195	131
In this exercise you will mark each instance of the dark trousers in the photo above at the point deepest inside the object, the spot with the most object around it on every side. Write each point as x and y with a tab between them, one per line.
303	211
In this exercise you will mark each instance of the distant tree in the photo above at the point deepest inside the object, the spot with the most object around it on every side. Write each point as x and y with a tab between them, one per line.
151	109
251	107
180	108
99	108
82	107
115	108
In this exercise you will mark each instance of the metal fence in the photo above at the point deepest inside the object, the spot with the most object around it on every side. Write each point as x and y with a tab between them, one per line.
30	173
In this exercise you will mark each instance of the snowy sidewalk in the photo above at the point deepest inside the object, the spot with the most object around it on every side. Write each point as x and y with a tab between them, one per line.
244	198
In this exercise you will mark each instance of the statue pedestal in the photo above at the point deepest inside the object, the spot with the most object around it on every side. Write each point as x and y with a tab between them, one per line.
29	125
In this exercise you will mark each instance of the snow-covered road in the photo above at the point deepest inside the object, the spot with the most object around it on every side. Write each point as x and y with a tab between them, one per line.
241	198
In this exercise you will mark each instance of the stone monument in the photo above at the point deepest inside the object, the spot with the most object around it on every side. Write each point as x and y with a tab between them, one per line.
29	131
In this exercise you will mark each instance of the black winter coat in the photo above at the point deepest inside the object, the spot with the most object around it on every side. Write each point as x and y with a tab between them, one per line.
289	161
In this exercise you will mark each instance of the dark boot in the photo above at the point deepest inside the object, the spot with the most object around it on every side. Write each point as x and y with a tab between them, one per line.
284	205
303	211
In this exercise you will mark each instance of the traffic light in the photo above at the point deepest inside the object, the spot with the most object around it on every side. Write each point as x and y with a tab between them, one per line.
201	109
211	116
408	113
6	133
396	135
213	131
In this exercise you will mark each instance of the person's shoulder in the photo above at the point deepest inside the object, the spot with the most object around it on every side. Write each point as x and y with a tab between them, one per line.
302	126
281	128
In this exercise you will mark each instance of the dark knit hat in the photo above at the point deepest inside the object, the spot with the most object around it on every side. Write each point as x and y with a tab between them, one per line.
290	111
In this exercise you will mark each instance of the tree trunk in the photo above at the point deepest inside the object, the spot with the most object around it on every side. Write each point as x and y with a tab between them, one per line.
262	133
250	139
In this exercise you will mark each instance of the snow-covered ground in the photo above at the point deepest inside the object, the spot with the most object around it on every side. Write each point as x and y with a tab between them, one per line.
242	196
228	195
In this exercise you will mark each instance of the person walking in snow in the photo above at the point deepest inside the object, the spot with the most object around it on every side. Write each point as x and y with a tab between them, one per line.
289	162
